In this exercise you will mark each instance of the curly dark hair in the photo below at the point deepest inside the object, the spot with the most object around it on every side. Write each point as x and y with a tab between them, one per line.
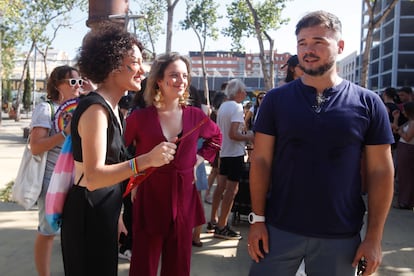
103	50
59	74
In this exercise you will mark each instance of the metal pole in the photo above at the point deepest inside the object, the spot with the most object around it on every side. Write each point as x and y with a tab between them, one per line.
34	76
127	17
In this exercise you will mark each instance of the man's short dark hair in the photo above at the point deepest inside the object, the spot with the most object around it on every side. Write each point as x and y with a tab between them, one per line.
406	89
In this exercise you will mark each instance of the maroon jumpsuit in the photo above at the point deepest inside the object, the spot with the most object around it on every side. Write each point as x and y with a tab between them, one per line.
167	207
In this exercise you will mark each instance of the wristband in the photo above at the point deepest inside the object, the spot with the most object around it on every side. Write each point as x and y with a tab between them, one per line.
63	134
134	166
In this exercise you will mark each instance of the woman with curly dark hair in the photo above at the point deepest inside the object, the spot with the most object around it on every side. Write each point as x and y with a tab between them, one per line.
111	58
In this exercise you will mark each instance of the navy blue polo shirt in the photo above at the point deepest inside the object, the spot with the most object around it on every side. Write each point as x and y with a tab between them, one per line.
316	182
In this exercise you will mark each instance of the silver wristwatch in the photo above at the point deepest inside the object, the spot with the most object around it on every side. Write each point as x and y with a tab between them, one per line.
253	218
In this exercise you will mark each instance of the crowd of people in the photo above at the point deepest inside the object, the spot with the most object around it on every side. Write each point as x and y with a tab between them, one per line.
309	164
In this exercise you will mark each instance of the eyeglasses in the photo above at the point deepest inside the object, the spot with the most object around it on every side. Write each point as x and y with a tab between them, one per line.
73	82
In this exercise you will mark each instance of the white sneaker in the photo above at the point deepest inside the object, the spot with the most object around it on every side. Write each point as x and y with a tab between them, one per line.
126	255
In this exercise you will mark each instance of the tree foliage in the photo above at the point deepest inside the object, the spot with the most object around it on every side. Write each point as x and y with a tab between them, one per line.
242	21
201	17
43	14
149	29
256	19
9	36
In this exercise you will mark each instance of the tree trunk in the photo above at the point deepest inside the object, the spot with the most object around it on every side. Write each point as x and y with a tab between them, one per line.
373	23
19	88
170	18
205	78
265	70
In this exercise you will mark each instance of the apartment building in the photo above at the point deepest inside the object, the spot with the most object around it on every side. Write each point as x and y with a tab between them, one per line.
224	65
392	54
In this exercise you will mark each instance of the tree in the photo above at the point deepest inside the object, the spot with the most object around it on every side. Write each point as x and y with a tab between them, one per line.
170	18
201	16
43	14
150	27
27	90
375	18
256	20
8	10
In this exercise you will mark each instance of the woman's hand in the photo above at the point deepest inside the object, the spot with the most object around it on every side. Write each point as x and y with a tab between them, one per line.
162	154
87	86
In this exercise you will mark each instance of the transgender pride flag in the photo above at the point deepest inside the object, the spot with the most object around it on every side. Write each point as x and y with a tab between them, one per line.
60	183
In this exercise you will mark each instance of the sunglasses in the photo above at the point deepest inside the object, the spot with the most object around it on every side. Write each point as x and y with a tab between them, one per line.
73	82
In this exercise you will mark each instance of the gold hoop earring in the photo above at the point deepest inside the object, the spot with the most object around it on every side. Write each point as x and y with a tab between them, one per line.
158	99
182	100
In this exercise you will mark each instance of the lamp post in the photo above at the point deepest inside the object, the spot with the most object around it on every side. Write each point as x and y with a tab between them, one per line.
34	77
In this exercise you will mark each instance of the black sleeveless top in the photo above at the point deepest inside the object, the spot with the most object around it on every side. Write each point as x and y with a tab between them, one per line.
115	151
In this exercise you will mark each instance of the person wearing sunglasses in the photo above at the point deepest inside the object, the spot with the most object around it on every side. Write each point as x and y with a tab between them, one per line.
85	85
44	137
74	82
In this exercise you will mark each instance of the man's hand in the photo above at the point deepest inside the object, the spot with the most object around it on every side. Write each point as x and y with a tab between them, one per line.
370	251
258	241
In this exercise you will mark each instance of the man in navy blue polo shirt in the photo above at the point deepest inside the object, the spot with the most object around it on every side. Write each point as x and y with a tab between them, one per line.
305	179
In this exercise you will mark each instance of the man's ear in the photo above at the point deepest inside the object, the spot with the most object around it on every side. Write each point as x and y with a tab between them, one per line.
341	45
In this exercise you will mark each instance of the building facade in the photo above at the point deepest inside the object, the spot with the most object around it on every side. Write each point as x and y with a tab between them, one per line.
222	66
392	55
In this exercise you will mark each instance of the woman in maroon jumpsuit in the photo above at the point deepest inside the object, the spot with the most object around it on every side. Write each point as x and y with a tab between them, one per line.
166	206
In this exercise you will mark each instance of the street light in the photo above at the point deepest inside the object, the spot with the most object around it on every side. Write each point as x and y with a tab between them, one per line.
127	17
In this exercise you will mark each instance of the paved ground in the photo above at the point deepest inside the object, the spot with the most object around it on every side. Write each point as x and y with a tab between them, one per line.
216	257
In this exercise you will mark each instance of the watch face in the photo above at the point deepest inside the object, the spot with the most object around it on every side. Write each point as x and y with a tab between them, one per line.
251	218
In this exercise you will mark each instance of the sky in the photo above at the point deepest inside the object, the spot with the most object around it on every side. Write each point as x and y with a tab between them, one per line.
349	12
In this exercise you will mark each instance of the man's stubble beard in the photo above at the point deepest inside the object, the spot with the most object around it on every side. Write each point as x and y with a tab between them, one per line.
318	71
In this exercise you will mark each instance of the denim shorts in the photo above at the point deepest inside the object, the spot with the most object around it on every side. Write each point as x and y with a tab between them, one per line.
44	228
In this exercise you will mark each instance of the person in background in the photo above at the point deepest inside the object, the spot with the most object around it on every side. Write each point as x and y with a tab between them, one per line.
391	101
166	205
218	99
298	205
405	94
251	115
111	58
405	157
293	70
198	100
202	185
231	122
125	236
64	83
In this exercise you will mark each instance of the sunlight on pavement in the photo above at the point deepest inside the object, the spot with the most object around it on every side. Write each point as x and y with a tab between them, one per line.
19	219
